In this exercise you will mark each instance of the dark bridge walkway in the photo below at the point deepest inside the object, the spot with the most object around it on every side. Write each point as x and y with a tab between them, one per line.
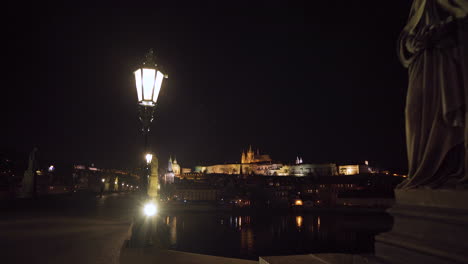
78	228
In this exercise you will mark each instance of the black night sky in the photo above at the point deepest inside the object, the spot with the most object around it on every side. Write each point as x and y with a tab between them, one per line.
320	80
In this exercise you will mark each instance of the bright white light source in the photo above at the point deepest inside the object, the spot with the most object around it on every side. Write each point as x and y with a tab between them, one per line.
103	180
147	103
138	84
150	209
51	168
157	86
148	83
149	157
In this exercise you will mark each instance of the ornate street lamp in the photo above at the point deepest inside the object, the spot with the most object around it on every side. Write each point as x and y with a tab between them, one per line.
148	81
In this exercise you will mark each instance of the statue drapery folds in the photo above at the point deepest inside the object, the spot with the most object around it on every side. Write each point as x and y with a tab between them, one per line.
433	48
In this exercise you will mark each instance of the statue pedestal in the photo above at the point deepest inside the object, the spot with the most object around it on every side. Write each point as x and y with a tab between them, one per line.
430	226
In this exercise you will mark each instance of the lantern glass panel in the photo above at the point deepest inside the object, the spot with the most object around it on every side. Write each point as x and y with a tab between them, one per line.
138	84
148	83
157	87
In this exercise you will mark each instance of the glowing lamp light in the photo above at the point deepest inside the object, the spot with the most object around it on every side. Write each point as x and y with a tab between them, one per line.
148	84
298	202
103	180
150	209
148	81
149	158
51	168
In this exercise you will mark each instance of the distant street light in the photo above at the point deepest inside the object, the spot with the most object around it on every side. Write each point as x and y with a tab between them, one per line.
102	186
148	82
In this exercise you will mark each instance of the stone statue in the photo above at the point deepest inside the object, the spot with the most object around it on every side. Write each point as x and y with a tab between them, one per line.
434	49
430	206
153	186
27	186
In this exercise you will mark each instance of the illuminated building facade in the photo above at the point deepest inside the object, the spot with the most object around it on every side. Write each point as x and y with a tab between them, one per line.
223	169
169	175
186	170
195	193
90	178
306	169
356	169
261	164
175	167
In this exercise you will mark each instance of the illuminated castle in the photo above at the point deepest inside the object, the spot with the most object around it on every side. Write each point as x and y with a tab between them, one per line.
255	164
250	157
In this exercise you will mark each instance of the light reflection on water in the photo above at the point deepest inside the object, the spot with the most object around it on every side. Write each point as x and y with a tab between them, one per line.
250	236
299	221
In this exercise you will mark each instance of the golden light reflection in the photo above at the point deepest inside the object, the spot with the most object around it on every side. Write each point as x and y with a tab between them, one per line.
247	240
318	223
298	202
299	221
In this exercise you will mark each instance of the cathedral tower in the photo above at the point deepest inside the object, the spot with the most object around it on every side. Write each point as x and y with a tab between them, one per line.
176	167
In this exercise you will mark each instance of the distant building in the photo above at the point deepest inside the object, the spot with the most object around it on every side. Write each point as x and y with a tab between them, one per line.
329	169
195	193
224	169
200	169
90	178
355	169
298	160
193	176
261	164
251	157
169	175
176	167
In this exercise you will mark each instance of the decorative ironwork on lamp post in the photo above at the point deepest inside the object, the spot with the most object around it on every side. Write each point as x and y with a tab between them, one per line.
148	80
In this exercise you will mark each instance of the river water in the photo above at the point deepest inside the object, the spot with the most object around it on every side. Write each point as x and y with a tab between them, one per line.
249	236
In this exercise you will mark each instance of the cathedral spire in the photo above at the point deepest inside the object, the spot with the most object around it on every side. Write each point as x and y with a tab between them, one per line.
169	165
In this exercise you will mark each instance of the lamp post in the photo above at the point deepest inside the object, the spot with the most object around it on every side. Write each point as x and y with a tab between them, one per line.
102	186
148	80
